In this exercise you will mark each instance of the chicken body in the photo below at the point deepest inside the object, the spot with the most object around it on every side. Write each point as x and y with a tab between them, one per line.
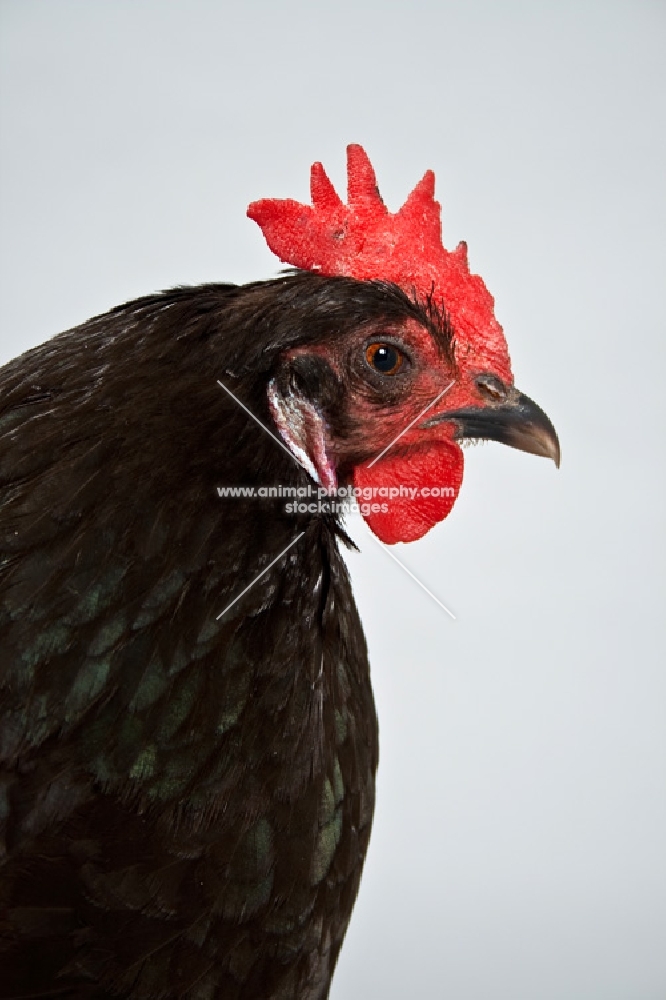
187	801
188	740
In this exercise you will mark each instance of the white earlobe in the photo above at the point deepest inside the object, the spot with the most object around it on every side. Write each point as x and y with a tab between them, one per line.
303	429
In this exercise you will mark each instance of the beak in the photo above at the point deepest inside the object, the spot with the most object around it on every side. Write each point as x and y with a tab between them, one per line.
517	421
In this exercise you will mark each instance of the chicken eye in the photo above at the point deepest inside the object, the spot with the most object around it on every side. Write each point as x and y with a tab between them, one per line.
384	358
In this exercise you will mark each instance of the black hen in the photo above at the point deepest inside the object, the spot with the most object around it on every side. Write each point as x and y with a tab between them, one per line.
186	800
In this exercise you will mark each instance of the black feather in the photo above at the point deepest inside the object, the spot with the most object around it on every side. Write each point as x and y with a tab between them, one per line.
185	802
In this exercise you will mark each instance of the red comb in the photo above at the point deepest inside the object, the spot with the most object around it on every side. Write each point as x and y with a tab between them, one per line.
363	240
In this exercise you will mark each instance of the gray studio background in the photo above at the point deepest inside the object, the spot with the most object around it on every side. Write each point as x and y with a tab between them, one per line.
519	843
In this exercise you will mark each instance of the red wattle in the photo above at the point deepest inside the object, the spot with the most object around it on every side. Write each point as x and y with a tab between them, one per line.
434	466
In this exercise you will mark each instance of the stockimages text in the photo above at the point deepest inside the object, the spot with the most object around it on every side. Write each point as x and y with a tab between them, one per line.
312	499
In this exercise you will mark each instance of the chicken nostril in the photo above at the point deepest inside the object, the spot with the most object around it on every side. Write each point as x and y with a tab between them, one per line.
492	388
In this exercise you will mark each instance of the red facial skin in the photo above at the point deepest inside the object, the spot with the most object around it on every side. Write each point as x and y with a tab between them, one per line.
416	457
365	241
426	458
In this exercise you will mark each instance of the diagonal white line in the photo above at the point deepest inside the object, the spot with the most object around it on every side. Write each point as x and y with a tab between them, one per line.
259	575
421	585
417	417
258	421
